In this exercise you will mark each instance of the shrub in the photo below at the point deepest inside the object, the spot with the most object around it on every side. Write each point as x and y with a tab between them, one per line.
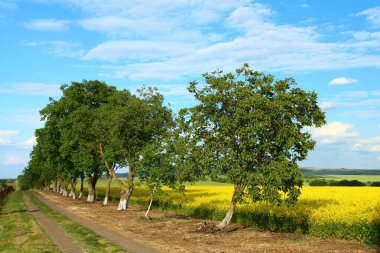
346	183
318	182
377	184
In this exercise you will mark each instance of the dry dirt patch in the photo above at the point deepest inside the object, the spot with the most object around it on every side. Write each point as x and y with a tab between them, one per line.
171	232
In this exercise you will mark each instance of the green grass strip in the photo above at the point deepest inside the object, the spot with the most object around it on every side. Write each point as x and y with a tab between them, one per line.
88	240
19	232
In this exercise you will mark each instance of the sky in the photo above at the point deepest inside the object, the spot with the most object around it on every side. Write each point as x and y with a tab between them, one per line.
330	47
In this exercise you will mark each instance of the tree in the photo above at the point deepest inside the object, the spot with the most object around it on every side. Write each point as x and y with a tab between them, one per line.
73	114
130	123
156	168
250	127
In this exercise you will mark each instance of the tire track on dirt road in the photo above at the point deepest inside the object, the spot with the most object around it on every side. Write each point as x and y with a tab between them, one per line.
64	242
129	244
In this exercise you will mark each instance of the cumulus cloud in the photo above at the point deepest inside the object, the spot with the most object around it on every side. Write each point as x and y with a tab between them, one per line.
368	145
246	32
342	81
372	15
12	160
334	132
30	88
53	25
6	135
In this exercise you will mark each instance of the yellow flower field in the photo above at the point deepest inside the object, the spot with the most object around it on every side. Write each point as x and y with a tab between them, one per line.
343	212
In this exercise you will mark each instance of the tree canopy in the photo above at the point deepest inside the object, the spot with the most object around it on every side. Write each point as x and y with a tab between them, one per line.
250	127
247	126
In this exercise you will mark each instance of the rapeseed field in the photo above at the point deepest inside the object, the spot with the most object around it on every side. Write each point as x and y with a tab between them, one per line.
333	212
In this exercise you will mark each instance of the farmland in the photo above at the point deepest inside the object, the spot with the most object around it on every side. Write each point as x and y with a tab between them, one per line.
328	212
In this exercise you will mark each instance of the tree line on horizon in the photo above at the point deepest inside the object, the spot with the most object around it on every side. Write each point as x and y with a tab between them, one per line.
247	126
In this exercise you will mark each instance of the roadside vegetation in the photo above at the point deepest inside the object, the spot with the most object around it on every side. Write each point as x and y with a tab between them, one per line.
19	232
87	239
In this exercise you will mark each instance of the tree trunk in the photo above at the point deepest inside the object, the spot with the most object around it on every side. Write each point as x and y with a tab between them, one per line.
109	180
150	204
56	185
238	192
126	191
81	186
64	188
90	189
92	179
73	186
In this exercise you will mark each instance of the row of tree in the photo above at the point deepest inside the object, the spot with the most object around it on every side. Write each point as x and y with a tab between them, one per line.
247	127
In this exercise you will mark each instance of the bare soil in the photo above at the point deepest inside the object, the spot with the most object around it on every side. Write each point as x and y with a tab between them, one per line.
171	232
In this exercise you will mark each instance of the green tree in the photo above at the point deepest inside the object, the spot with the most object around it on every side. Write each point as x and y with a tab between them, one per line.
130	123
157	168
250	127
73	114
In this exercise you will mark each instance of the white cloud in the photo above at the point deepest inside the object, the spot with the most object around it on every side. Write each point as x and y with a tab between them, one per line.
28	143
30	88
372	15
327	105
378	158
246	33
334	132
60	48
142	50
12	160
342	81
53	25
305	6
5	136
129	27
368	145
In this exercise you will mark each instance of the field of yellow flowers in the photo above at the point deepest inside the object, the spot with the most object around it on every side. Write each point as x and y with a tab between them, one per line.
334	212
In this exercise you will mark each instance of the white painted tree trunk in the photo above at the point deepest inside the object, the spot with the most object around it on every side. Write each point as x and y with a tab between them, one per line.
90	198
105	201
80	195
122	205
64	193
91	193
238	191
72	194
150	205
227	219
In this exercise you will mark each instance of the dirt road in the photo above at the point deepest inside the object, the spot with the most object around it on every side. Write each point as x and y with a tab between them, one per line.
64	242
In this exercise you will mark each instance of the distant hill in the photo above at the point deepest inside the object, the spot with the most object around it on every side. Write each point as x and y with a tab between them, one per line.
338	171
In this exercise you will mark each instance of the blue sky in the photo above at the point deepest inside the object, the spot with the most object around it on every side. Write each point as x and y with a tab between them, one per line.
331	47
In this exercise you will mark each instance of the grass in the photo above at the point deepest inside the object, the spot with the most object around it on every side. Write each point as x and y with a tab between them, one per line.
87	239
19	232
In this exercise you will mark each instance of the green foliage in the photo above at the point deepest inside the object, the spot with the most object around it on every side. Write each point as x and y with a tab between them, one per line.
250	127
376	184
324	182
318	182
